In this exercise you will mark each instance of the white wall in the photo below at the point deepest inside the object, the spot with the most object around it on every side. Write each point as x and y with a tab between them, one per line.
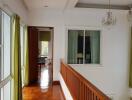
112	75
15	6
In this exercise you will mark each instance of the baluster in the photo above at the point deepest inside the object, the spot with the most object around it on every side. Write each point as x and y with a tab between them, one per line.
96	98
90	95
86	93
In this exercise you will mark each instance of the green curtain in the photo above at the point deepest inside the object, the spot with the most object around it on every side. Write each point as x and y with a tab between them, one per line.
130	72
95	46
26	58
72	46
16	66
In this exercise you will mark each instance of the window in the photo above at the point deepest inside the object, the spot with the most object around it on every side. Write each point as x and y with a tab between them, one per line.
22	44
83	47
5	49
44	49
1	45
22	52
6	45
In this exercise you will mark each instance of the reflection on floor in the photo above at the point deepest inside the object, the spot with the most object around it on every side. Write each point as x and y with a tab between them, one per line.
34	92
45	76
43	90
44	79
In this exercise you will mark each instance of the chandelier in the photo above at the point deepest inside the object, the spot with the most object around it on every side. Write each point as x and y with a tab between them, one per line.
109	19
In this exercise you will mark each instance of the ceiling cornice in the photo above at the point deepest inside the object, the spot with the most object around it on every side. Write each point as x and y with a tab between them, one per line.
102	6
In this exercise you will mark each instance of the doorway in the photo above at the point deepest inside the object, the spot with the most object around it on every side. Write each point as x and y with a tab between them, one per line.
45	56
41	55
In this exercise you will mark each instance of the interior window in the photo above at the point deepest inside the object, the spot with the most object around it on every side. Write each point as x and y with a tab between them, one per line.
75	46
83	47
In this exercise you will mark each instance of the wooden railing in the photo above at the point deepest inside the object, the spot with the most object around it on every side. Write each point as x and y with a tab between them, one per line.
79	87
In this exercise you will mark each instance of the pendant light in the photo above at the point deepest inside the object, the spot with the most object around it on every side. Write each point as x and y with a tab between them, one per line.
109	19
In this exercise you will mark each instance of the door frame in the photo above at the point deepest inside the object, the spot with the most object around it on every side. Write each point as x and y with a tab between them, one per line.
52	59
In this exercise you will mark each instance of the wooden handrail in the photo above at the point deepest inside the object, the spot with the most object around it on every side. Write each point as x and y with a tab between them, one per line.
79	87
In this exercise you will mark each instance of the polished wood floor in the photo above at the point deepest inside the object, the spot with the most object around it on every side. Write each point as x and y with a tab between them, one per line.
44	76
35	92
43	90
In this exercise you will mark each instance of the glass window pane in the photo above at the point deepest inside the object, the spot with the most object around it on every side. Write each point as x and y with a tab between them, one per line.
0	27
0	38
7	91
6	32
1	94
92	47
44	49
75	46
0	64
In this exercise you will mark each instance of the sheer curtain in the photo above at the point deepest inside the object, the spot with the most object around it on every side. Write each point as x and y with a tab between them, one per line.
72	46
95	46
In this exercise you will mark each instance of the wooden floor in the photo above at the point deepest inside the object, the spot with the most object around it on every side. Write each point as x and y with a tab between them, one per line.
35	92
43	90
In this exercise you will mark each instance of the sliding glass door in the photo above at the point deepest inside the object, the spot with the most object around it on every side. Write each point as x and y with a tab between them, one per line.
5	54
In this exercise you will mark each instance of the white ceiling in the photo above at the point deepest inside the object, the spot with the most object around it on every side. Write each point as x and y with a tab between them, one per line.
62	4
113	2
54	4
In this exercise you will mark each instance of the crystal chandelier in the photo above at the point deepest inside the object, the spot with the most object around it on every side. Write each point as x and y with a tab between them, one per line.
109	19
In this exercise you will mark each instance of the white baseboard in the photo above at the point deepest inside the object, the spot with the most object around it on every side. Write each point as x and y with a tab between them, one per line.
65	89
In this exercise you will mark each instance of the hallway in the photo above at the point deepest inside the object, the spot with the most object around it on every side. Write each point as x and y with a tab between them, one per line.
45	75
43	90
34	92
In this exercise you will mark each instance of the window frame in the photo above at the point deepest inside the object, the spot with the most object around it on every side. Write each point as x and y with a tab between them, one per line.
84	28
10	46
5	81
1	47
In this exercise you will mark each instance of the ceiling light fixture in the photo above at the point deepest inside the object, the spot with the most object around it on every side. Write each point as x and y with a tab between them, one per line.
109	19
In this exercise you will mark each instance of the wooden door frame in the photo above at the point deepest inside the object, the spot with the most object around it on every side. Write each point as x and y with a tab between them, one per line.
52	52
52	32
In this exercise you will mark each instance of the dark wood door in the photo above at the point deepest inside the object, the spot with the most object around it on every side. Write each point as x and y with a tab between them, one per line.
33	54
